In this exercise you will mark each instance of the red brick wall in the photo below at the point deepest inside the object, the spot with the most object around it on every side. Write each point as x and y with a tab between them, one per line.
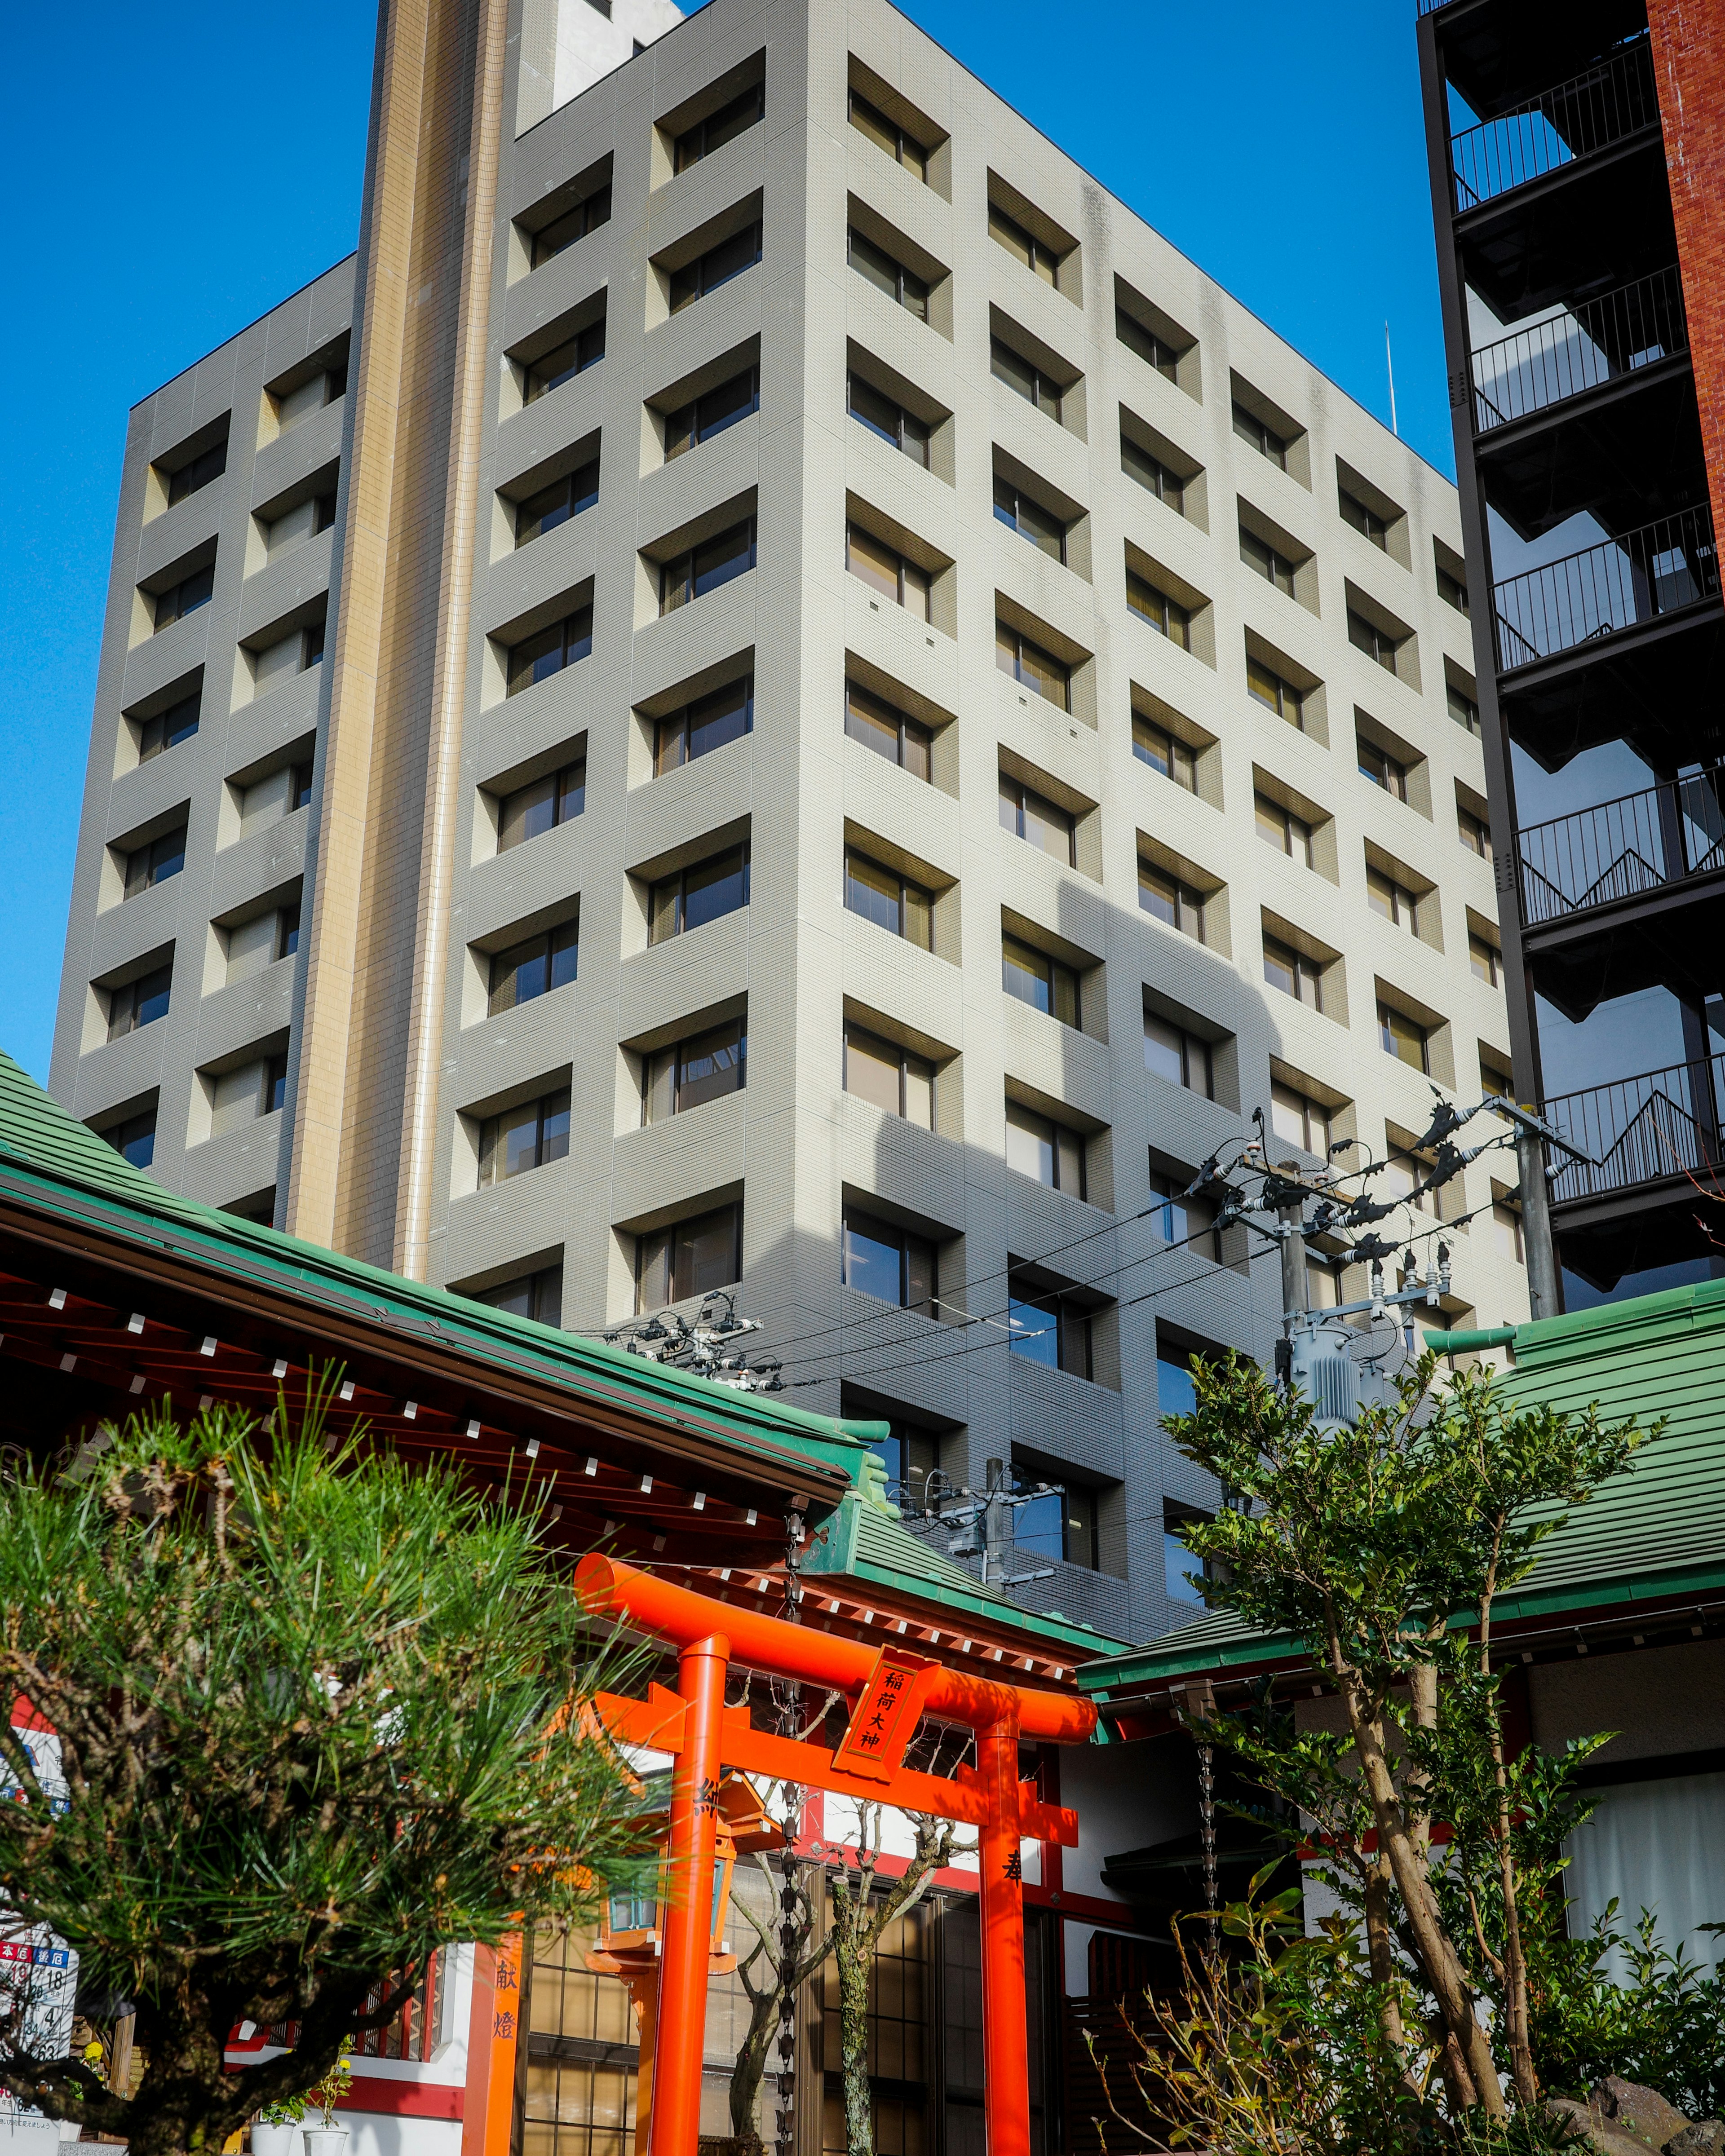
1689	63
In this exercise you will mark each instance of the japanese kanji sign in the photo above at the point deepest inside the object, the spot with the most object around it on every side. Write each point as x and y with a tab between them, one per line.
887	1714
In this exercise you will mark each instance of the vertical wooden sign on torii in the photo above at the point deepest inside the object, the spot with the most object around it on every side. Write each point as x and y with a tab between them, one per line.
892	1687
880	1731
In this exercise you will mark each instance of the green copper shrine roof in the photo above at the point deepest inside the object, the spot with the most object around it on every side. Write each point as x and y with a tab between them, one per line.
58	1168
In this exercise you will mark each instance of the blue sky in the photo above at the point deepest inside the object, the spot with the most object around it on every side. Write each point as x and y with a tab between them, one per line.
1280	147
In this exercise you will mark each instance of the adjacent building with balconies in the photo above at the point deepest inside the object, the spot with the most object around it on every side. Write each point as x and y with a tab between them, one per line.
1577	160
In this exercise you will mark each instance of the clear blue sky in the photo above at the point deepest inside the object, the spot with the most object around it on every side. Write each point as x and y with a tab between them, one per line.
1280	146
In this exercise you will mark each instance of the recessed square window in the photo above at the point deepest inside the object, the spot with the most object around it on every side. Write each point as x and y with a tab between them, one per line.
891	1077
709	722
735	117
534	967
1023	245
1164	752
1027	663
565	498
168	729
884	569
1281	827
887	275
1049	1152
1292	973
1405	1038
155	862
691	1257
195	589
587	216
705	1066
705	568
893	1264
723	261
1265	687
1261	436
538	1296
1392	902
1040	821
1181	1221
1297	1120
890	899
1022	513
1152	475
711	412
1160	609
536	657
1182	1057
1382	768
135	1138
1047	1326
1033	977
886	135
521	1138
889	732
202	471
1024	377
876	410
542	804
564	361
704	891
140	1002
1165	898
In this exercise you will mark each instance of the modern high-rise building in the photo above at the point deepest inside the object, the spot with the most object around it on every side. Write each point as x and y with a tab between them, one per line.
769	689
1577	164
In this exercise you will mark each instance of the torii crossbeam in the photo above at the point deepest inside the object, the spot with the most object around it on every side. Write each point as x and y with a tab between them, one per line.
891	1689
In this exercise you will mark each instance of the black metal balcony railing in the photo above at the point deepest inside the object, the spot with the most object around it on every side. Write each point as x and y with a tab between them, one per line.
1641	1129
1571	121
1636	577
1622	847
1596	342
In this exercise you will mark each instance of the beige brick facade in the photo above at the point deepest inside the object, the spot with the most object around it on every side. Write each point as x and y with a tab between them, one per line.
397	1065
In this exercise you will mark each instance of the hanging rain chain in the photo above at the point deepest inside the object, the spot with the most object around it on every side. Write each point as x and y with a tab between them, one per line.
789	1941
790	1936
791	1608
1207	1834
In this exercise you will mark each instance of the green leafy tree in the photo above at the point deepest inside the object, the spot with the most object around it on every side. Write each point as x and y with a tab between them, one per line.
312	1708
1660	2022
1383	1546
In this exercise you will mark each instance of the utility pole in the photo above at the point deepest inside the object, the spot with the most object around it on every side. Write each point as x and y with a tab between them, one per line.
1533	1133
1296	1286
1536	1224
996	1523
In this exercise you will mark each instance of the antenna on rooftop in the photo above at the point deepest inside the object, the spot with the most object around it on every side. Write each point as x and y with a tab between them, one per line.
1390	368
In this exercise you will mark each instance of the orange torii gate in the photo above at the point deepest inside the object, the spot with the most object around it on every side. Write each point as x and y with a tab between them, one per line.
891	1687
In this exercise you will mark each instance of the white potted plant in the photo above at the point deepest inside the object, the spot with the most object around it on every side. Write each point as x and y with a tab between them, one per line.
276	2127
328	2136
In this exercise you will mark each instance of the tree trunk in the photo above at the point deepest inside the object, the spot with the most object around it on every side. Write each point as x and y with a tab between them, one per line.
1467	2046
1515	1960
750	2067
854	1958
1380	1954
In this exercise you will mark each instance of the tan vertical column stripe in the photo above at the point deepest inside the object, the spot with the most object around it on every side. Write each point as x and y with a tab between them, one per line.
420	1118
351	1085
